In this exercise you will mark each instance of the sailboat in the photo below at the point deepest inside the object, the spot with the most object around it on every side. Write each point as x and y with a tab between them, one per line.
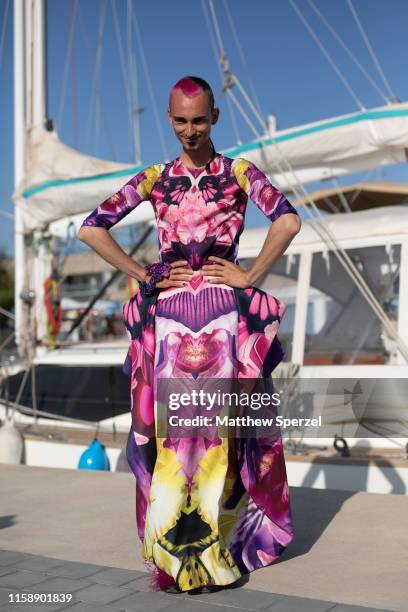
344	278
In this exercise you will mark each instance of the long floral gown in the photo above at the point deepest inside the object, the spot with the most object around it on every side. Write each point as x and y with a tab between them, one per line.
207	510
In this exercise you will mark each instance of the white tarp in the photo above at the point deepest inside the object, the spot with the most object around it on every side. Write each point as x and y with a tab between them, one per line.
61	182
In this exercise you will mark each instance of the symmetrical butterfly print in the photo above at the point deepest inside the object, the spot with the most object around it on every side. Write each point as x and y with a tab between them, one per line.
208	508
174	189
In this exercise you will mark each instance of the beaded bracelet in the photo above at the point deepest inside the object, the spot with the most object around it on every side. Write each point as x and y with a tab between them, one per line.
157	271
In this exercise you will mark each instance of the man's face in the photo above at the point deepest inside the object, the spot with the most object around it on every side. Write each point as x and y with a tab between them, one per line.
191	118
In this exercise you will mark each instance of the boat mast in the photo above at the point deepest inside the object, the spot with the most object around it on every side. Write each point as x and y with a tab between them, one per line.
19	148
30	109
39	62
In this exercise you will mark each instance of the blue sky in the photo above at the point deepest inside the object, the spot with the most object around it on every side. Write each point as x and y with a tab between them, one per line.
290	75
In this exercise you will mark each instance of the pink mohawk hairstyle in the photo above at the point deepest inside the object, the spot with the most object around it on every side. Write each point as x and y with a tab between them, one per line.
191	86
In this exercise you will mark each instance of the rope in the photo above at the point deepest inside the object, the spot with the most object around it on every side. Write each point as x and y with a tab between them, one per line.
370	49
347	50
327	56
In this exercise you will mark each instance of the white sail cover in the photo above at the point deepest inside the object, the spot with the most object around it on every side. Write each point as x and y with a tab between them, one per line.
61	182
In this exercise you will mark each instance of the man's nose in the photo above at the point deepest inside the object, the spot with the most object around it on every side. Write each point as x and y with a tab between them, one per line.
189	130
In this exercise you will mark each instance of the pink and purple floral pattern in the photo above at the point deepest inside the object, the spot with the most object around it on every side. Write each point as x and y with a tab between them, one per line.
208	509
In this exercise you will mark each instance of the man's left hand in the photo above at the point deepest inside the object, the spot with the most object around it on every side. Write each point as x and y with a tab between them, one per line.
223	271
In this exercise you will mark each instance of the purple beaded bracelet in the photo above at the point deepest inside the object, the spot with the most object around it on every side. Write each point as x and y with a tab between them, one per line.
157	271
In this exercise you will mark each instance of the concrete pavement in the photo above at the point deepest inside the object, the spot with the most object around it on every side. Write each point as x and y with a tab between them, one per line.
350	549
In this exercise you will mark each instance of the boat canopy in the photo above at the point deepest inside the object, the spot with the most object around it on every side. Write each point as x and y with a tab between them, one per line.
388	224
359	196
61	181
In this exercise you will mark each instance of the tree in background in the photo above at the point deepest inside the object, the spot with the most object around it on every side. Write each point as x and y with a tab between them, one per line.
6	287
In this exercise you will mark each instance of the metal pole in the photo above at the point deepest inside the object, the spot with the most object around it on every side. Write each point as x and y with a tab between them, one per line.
19	146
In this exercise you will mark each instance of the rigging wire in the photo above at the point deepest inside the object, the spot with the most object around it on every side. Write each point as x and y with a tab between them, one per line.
347	50
96	116
232	79
131	76
67	63
341	195
242	56
346	203
248	100
150	87
134	111
388	291
324	232
329	238
74	88
122	60
95	79
217	31
8	215
327	56
3	31
215	51
243	113
371	50
2	43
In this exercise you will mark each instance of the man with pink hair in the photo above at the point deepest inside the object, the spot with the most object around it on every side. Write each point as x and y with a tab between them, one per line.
192	113
209	508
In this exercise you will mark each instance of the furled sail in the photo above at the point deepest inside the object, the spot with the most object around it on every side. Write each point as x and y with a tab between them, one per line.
61	182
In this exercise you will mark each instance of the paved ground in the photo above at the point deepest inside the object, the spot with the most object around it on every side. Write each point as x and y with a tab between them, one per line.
349	548
97	588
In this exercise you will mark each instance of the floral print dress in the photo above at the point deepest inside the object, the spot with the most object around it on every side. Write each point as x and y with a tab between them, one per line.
208	509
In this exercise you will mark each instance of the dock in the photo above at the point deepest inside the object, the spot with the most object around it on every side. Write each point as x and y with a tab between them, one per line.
74	531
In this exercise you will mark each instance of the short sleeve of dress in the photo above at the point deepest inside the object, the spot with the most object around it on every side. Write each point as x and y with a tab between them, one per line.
272	202
121	203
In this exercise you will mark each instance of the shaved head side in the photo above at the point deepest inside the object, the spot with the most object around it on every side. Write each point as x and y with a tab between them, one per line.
192	86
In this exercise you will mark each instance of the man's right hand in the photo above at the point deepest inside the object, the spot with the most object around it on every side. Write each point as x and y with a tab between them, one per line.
180	275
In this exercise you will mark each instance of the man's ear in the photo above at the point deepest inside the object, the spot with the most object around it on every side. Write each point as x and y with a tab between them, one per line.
215	115
169	113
